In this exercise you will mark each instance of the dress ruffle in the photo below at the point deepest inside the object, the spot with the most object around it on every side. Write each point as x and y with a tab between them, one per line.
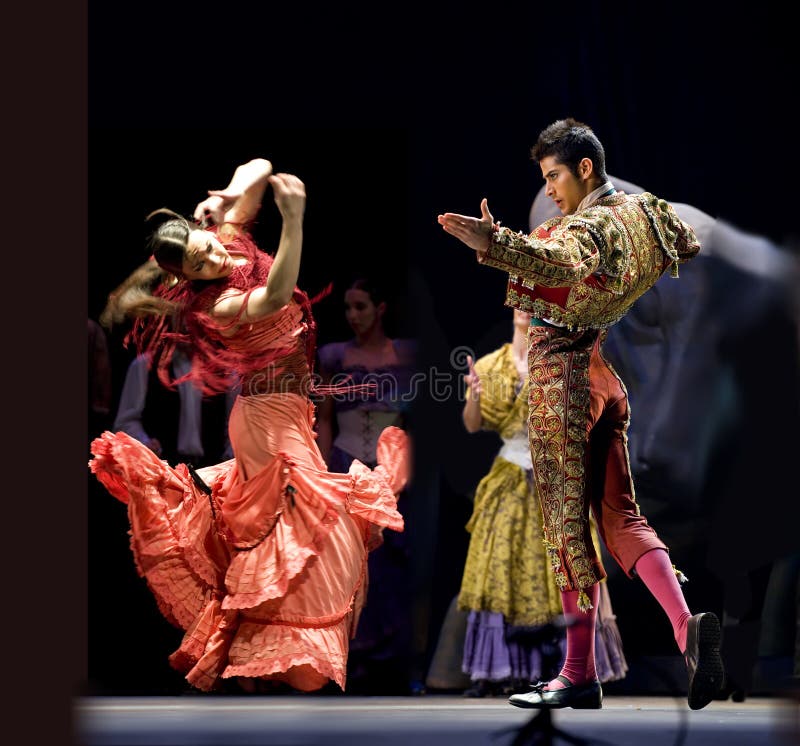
277	597
609	657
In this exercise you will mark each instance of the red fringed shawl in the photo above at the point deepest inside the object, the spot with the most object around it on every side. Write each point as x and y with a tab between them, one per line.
217	365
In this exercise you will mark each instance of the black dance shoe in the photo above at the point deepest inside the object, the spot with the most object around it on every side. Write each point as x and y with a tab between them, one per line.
579	697
703	661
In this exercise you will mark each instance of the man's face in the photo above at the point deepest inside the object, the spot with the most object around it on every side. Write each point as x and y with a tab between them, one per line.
562	186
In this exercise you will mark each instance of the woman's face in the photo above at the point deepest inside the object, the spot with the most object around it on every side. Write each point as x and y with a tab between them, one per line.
361	313
205	257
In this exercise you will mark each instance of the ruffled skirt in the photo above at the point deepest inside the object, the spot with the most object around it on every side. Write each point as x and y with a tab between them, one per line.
262	559
496	651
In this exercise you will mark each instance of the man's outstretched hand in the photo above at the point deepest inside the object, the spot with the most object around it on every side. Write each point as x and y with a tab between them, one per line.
474	232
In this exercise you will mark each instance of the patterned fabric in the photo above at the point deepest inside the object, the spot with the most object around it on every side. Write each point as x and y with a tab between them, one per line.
584	271
505	571
558	433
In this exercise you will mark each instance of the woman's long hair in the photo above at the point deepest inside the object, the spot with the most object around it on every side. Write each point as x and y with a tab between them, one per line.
137	296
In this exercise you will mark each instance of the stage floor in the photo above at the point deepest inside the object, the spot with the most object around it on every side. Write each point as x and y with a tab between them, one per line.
417	721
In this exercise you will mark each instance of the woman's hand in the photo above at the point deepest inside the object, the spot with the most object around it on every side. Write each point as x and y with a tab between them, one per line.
471	415
215	206
472	379
290	195
240	200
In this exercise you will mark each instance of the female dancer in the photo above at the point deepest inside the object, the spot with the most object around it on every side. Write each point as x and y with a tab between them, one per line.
371	354
260	559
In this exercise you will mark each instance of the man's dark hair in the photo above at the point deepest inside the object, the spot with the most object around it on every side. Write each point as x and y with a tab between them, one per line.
570	141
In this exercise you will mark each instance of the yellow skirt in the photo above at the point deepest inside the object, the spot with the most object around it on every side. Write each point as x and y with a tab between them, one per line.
507	569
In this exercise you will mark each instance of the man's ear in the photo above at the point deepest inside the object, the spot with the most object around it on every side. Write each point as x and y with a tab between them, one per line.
586	168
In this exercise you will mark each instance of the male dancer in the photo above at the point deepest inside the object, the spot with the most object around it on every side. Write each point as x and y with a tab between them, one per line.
578	275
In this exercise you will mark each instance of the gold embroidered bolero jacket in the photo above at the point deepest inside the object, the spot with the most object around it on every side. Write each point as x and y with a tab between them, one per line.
587	269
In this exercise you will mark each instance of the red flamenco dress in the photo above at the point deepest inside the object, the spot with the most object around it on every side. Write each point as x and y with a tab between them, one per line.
262	559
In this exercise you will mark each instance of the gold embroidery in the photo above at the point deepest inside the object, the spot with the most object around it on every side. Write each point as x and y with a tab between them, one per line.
558	434
607	256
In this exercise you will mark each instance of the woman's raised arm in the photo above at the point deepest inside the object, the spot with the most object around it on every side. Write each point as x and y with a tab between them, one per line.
240	200
290	197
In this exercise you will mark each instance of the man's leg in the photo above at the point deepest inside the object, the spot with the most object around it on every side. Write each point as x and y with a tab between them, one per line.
558	432
557	427
658	574
578	665
576	685
635	545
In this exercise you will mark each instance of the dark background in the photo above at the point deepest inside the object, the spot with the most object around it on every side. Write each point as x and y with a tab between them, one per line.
388	128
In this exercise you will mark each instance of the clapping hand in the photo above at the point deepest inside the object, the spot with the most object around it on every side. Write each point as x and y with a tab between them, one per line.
472	379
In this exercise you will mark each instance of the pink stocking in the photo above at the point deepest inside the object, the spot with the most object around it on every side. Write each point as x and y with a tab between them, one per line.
579	661
657	573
